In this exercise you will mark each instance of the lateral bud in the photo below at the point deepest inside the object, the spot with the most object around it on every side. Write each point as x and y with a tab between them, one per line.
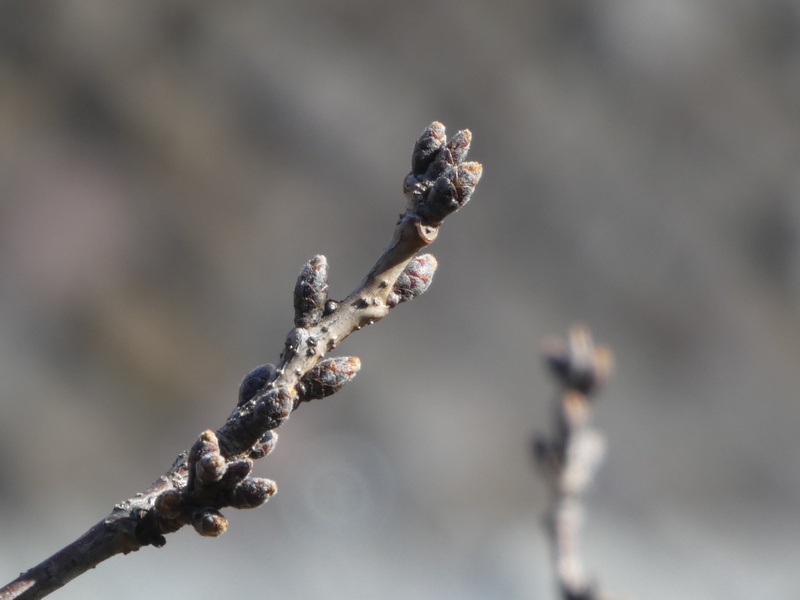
209	522
206	443
255	381
169	504
273	410
210	469
252	492
328	377
311	292
413	281
237	471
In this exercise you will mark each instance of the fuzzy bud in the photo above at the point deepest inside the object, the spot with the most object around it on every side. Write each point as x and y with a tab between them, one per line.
414	280
236	472
273	409
442	200
209	523
459	145
440	181
254	381
210	468
467	177
328	377
311	292
247	424
427	147
252	492
206	443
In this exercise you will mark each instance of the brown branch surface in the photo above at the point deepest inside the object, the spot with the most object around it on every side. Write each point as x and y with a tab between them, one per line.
571	454
215	472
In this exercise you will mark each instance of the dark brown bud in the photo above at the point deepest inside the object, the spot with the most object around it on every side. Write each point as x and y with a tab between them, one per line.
328	377
414	280
440	181
443	166
442	200
252	492
209	523
427	147
254	381
206	443
467	177
273	409
236	472
311	292
210	468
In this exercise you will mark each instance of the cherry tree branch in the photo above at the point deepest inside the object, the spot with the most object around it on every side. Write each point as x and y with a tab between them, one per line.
570	455
216	472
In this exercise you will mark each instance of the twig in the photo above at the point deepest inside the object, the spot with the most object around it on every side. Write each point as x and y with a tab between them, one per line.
215	472
571	455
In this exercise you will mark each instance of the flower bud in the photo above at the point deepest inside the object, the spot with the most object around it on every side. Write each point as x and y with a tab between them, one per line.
311	292
427	147
414	280
328	377
252	492
209	523
254	381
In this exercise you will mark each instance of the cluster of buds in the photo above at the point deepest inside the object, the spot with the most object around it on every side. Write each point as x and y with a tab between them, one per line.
213	483
440	182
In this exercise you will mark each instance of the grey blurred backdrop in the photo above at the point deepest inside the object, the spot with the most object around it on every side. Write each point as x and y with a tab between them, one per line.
167	167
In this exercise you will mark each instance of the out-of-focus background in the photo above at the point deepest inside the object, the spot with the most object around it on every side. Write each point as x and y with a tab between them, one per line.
166	168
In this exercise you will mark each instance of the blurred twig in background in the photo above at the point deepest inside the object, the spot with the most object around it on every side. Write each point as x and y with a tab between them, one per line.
570	455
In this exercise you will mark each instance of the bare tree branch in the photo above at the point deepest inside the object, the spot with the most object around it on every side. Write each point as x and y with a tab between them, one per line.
570	456
215	472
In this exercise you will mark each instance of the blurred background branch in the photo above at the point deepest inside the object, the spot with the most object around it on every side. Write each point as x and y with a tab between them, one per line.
570	454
